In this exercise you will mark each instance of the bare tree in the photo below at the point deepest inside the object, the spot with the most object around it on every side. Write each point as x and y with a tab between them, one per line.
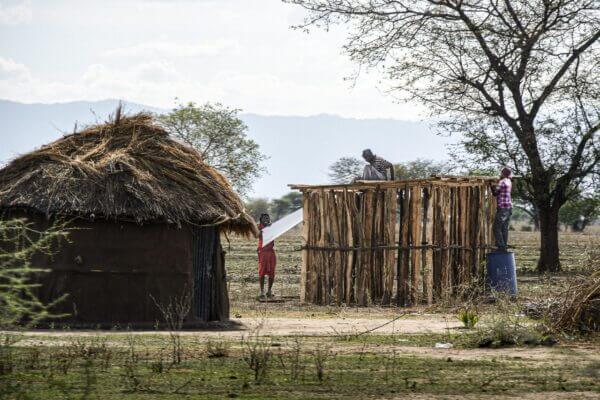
519	79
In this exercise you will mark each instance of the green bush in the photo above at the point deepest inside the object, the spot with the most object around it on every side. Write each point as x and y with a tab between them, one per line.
19	242
468	318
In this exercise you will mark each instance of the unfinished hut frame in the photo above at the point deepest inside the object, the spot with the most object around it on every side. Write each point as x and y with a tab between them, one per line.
394	242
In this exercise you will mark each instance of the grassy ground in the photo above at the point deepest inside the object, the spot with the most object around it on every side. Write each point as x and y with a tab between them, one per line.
263	363
259	367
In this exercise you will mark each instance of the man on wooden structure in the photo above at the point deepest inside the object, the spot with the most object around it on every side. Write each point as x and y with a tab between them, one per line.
378	168
502	191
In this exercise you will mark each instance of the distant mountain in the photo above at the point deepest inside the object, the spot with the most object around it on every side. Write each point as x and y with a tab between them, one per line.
300	149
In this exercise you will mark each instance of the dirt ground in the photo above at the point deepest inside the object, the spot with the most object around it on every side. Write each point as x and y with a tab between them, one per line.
279	326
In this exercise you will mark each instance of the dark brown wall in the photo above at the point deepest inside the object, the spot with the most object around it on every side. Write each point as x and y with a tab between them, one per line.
109	270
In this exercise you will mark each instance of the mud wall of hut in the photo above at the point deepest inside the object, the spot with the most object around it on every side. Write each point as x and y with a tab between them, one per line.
402	242
115	272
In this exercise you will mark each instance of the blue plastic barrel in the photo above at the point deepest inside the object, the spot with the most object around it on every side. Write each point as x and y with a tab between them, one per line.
501	272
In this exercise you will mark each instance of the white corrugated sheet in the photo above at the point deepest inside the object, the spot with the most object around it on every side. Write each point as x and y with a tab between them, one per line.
281	226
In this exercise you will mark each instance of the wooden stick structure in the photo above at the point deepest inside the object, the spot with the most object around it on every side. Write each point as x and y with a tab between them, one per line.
394	242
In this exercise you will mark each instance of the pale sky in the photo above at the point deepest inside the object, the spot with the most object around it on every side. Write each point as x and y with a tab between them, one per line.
241	53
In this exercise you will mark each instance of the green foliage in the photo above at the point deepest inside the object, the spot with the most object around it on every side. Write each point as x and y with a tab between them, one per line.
219	135
285	205
468	318
256	207
19	243
277	208
345	170
421	168
580	211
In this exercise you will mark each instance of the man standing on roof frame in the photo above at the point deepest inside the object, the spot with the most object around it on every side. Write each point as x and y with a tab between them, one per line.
377	168
502	192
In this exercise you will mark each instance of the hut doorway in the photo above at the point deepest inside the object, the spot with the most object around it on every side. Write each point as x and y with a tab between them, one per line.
210	301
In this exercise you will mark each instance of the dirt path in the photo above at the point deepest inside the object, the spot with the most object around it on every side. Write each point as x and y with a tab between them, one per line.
340	326
302	326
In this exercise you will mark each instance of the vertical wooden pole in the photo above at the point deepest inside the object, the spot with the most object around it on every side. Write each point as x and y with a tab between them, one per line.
351	215
446	227
374	265
404	277
365	233
390	239
399	252
335	265
427	239
304	242
322	271
464	235
475	229
438	221
416	207
314	240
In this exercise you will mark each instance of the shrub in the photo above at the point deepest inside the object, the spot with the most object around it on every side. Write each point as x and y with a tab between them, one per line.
257	354
579	308
217	349
468	318
19	242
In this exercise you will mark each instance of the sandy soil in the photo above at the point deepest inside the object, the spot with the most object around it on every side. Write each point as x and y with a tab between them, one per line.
340	326
302	326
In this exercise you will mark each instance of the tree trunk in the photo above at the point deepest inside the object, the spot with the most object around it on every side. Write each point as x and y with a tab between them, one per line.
549	260
536	219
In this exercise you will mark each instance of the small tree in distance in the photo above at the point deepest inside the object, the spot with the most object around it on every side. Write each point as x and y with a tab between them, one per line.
345	170
581	211
220	136
421	168
256	207
277	208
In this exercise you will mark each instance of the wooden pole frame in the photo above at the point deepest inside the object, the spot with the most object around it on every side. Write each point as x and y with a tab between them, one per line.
415	240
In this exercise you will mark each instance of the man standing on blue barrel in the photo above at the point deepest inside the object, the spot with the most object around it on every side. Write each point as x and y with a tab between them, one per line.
504	211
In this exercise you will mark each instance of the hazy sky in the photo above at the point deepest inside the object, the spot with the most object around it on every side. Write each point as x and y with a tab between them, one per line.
242	53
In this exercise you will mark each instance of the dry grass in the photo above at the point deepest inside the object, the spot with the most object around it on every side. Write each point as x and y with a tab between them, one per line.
580	310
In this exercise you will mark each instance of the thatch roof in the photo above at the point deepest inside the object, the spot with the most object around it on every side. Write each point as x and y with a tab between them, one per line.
125	169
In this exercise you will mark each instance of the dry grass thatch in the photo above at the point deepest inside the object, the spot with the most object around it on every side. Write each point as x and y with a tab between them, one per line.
580	311
125	169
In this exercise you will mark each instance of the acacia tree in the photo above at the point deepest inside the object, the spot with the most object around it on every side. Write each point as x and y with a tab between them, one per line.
421	168
220	136
19	244
518	78
346	169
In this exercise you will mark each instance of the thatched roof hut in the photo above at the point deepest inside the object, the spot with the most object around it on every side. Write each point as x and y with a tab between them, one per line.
150	210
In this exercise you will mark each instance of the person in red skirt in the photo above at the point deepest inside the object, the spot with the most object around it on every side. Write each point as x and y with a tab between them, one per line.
266	259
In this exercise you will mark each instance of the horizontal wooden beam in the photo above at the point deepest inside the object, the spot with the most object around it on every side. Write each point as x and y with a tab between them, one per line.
454	181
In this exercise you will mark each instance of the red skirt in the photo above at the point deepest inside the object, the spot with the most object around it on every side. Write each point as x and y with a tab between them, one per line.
266	263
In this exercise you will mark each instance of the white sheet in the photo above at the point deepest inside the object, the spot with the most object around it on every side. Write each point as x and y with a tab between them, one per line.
281	226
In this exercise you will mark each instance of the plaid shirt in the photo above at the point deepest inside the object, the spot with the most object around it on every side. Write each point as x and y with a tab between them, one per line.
502	193
381	165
